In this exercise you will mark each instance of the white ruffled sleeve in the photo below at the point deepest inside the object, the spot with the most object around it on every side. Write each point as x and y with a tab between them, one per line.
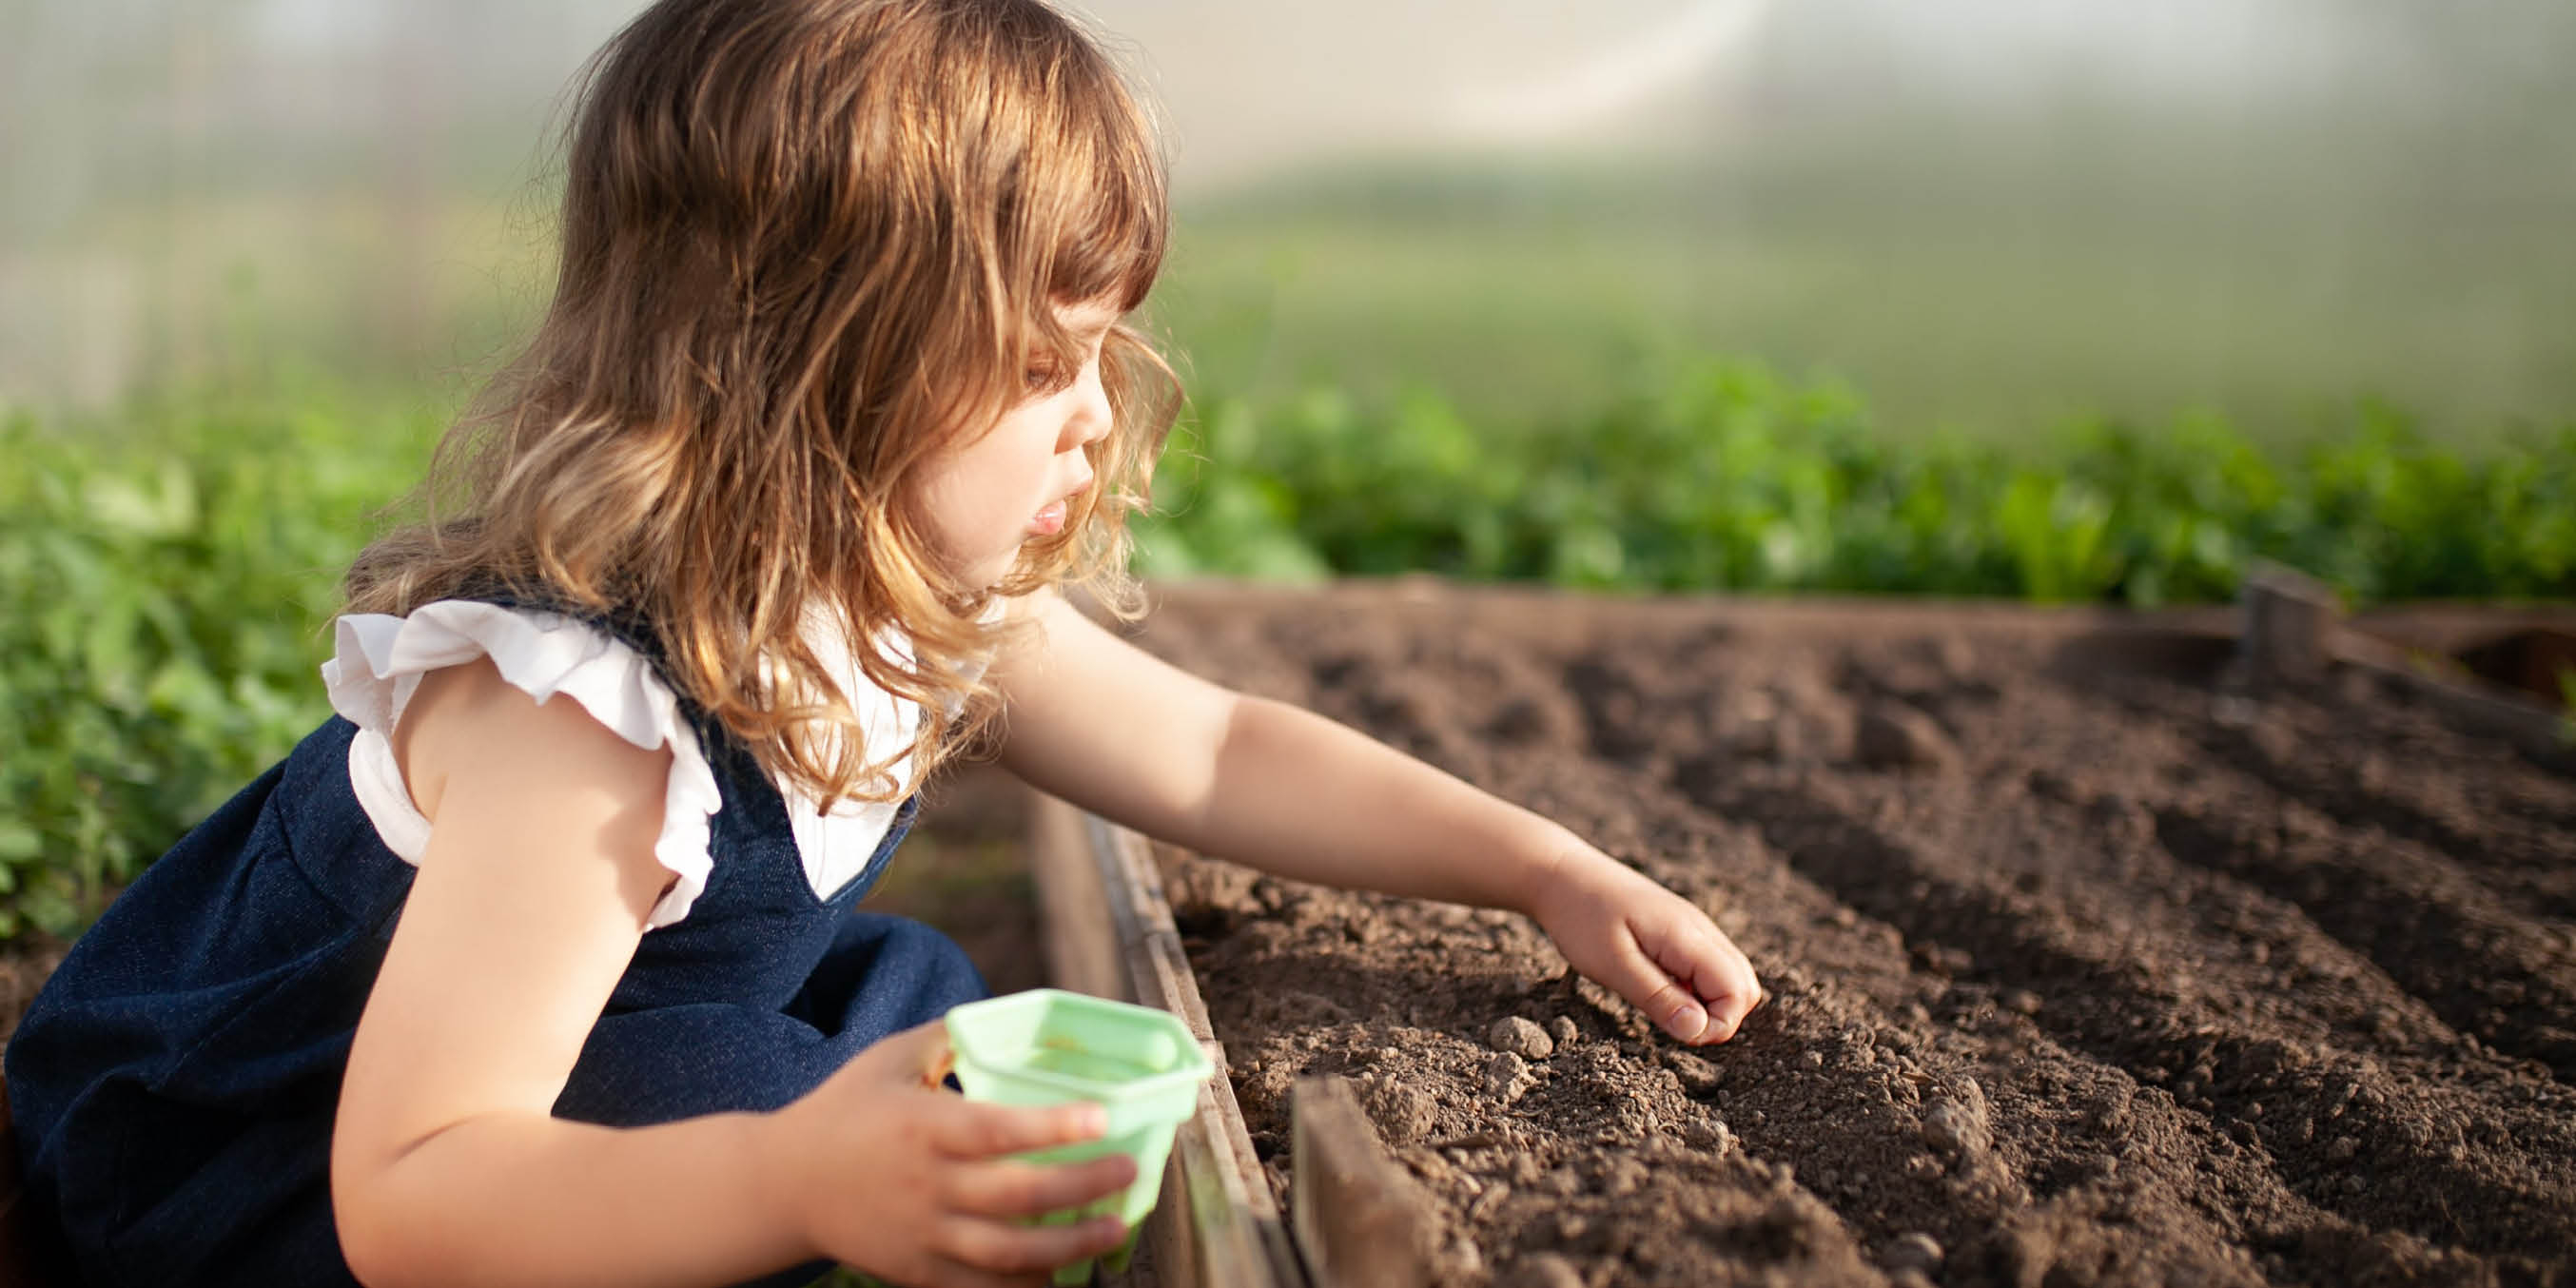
376	667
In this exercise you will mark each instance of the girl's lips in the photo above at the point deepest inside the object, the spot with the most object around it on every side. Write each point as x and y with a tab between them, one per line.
1049	521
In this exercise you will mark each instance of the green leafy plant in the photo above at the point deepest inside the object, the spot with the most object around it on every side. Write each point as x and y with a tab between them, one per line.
165	572
162	584
1733	479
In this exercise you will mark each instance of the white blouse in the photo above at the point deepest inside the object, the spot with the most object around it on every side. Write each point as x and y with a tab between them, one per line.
378	661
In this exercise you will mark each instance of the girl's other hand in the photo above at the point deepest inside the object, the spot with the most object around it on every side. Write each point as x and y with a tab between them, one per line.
891	1174
1648	945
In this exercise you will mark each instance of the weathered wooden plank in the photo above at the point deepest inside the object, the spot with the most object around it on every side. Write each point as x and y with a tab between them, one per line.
1216	1224
2293	630
1240	1236
2472	705
1356	1215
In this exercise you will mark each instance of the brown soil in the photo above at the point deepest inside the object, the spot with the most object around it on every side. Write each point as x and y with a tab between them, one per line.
2090	967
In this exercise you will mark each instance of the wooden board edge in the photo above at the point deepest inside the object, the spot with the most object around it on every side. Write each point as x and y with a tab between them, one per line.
1357	1217
1216	1224
2293	627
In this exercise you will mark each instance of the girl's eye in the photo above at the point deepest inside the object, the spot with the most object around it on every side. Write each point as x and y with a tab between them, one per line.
1042	378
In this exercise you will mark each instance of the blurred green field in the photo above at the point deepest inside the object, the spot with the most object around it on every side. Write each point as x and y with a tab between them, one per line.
1993	295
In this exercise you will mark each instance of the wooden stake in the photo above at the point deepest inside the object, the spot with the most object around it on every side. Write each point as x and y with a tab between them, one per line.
1356	1215
2291	621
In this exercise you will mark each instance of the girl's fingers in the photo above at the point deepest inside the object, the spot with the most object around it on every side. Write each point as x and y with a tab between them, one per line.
1698	985
1666	1002
1033	1189
1002	1248
1718	972
970	1129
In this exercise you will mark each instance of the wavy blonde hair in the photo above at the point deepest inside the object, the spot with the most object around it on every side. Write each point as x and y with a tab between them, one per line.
808	245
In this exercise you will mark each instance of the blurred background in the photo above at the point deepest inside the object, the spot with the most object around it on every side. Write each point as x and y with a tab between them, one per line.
1986	215
2063	302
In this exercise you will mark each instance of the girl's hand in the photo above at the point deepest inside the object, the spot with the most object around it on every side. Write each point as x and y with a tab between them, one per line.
890	1173
1648	945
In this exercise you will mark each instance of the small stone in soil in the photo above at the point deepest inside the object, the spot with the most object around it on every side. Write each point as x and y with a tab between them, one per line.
1710	1136
1917	1251
1562	1029
1520	1037
1507	1077
1952	1128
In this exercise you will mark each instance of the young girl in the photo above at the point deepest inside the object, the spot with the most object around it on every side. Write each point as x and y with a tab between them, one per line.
536	965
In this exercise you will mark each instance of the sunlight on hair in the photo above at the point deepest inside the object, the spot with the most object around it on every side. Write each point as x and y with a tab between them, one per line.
806	247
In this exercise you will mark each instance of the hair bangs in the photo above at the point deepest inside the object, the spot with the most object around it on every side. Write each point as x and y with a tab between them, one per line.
1112	244
1091	200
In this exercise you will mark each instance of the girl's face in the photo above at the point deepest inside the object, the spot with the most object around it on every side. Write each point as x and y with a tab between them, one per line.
986	499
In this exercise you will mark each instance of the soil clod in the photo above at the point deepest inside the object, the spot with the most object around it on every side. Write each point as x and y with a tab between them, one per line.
1892	735
1520	1037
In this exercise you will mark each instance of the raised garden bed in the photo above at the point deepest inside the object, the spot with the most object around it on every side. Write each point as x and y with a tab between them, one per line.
2096	960
2099	958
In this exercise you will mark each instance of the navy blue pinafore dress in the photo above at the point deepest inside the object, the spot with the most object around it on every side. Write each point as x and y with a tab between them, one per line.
175	1082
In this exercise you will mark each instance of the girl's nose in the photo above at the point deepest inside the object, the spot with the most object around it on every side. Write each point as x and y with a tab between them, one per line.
1091	417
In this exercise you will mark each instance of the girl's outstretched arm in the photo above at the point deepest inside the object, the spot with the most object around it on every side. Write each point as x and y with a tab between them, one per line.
1101	723
446	1164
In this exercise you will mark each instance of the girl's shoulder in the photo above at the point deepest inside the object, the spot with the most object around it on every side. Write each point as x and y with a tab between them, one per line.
379	662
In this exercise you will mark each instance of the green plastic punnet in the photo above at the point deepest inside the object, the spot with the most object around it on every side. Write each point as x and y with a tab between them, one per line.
1050	1047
